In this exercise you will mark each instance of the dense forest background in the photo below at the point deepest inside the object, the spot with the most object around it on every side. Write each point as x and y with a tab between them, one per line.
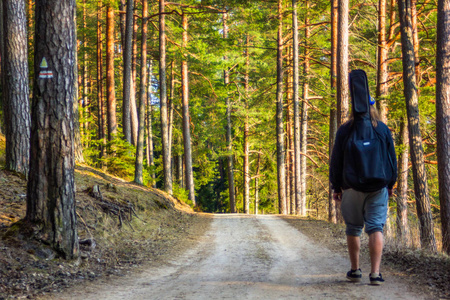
222	89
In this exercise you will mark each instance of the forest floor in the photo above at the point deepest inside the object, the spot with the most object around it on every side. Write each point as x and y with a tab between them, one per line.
160	249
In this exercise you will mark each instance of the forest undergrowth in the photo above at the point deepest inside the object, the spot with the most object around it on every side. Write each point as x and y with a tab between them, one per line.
121	228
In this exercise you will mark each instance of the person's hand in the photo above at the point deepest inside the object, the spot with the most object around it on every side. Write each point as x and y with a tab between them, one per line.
390	192
337	197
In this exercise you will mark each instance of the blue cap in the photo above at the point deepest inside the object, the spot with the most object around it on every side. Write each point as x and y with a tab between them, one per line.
372	100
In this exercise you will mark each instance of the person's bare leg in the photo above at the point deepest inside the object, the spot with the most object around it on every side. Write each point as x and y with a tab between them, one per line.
354	246
375	250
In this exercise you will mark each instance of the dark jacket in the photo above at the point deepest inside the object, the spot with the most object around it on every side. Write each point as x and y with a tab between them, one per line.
337	156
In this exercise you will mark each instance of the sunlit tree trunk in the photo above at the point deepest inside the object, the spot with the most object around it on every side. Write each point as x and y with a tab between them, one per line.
139	166
304	120
258	167
186	118
333	112
16	107
51	186
402	186
281	169
100	105
382	63
110	84
443	117
415	138
295	90
163	100
150	155
170	100
134	118
342	63
229	138
85	74
246	164
127	76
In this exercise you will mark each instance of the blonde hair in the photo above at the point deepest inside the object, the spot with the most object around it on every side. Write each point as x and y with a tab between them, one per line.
374	116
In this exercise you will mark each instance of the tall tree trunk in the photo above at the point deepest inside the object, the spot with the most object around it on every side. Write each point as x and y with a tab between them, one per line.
342	73
258	167
229	138
382	62
304	121
295	91
402	187
246	163
342	63
2	50
51	186
333	113
163	100
134	118
170	102
78	148
443	117
30	24
139	166
122	21
150	156
100	105
415	33
85	88
186	118
290	189
281	177
16	108
127	76
415	138
110	85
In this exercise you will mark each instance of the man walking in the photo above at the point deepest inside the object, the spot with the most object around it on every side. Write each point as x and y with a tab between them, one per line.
363	171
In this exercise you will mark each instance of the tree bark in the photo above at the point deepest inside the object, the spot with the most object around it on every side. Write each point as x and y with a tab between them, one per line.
150	156
402	187
281	169
163	101
139	166
229	138
415	33
134	118
51	186
186	118
333	112
16	108
127	78
342	63
382	63
443	117
110	84
258	167
297	129
427	238
100	105
304	121
85	88
246	164
78	148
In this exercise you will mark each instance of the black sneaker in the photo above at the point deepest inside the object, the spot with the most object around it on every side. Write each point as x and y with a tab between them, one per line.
376	279
354	275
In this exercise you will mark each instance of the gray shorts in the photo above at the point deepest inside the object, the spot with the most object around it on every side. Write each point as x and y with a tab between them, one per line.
369	209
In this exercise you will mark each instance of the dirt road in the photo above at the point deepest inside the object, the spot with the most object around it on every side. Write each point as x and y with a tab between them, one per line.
249	257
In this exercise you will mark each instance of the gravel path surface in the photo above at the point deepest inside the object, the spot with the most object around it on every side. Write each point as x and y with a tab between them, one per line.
247	257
